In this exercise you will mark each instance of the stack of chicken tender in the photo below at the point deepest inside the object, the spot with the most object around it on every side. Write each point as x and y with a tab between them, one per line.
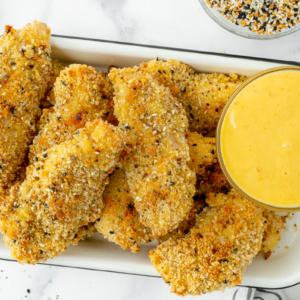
124	153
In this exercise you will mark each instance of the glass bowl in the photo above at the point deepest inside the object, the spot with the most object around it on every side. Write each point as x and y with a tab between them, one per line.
219	150
244	32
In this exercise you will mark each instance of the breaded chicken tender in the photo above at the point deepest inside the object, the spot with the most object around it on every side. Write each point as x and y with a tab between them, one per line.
120	221
61	194
160	181
80	97
210	179
215	253
207	95
203	96
272	236
25	68
49	98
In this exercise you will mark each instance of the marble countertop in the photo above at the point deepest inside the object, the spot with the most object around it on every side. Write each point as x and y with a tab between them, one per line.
172	23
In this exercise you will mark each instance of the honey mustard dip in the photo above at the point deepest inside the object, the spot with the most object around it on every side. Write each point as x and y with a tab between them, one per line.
259	142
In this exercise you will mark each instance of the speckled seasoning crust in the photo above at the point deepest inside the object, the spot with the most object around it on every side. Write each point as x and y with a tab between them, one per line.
203	155
25	68
203	96
160	181
210	179
81	96
62	192
263	17
119	221
215	253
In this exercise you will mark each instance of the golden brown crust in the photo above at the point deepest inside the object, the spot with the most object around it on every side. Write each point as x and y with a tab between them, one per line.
62	192
202	151
203	96
157	173
210	179
215	253
120	221
207	94
80	97
26	67
84	232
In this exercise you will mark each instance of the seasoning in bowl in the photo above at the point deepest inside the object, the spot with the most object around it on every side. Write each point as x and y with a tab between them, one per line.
261	16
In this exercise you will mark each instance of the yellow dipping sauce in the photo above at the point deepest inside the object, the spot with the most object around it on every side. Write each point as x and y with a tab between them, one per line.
260	139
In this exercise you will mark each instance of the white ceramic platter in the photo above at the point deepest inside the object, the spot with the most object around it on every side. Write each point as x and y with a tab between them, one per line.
281	270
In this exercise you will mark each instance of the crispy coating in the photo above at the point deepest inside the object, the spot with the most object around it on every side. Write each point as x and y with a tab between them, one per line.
215	253
202	151
272	236
45	118
185	225
62	192
210	179
49	98
25	68
80	97
203	96
208	94
116	217
120	221
84	232
160	181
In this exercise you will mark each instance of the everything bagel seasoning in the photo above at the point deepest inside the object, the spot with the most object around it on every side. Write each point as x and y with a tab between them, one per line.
261	16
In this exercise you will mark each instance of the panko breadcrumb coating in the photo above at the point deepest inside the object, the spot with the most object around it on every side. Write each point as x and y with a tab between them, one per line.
120	221
210	179
160	181
45	118
25	68
272	236
84	232
202	151
203	96
49	98
207	95
80	97
203	155
185	225
215	253
62	192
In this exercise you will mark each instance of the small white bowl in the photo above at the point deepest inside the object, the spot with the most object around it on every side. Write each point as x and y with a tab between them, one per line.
243	31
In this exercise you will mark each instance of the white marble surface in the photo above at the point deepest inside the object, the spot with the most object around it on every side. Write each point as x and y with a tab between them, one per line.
173	23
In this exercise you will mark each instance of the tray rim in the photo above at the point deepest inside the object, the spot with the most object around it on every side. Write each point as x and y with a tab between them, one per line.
134	274
294	63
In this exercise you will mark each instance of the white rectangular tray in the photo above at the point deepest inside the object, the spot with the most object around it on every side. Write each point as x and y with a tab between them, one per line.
281	270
